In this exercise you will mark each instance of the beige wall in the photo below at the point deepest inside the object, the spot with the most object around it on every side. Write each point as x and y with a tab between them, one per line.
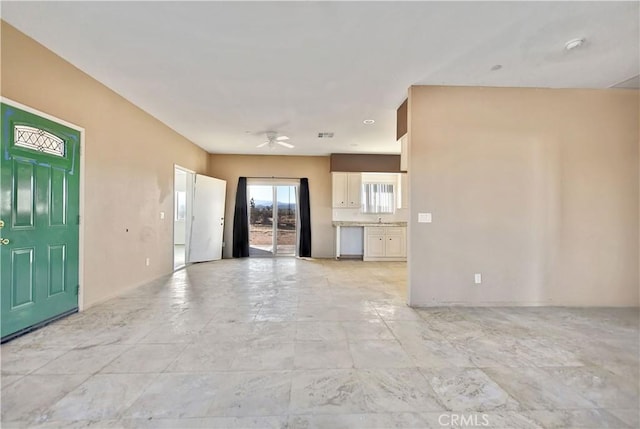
315	168
129	158
537	189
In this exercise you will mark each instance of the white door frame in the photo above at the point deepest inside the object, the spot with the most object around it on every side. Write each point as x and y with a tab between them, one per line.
187	232
81	230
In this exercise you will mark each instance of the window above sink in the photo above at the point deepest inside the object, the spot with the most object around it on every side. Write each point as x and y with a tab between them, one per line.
378	198
379	193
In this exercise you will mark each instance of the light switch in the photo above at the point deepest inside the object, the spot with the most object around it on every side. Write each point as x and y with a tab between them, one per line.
424	217
477	278
161	215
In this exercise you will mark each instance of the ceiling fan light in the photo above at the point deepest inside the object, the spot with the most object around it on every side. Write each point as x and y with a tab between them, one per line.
574	43
273	138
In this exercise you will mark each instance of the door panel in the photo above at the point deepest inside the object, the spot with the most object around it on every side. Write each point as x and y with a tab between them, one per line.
39	204
261	218
208	219
286	208
57	270
22	281
57	203
23	195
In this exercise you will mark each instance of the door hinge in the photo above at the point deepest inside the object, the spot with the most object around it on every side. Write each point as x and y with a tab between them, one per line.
77	289
78	219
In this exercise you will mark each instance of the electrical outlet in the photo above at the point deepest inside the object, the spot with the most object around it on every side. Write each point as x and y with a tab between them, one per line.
478	278
147	262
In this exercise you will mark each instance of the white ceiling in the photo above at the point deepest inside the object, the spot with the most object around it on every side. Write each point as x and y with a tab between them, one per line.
215	70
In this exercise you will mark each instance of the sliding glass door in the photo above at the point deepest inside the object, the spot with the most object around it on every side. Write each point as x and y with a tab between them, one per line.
273	213
286	214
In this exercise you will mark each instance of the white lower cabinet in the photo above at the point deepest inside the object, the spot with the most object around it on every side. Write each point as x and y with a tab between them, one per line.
374	244
385	243
395	243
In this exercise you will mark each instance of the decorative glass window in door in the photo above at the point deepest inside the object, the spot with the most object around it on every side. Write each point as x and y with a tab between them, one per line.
37	139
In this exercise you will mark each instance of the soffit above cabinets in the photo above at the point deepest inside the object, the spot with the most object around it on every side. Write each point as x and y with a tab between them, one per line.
348	162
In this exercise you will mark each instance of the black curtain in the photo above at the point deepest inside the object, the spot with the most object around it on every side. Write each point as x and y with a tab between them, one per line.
241	222
305	220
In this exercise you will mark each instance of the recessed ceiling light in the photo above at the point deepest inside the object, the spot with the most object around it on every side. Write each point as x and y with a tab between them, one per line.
369	122
496	67
573	44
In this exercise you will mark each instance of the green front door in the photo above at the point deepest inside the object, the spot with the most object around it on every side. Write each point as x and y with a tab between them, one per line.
39	203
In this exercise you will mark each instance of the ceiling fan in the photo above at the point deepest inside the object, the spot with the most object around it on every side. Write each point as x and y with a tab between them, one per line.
273	139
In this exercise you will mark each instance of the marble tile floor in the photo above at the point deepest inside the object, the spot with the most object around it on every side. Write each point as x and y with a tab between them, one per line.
289	343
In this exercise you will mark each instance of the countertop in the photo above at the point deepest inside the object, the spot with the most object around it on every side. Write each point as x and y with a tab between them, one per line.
362	223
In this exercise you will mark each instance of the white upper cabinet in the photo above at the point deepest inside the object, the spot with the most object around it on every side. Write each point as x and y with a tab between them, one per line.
354	189
339	190
347	190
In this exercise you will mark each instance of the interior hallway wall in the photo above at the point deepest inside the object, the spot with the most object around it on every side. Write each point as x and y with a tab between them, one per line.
315	168
536	189
129	157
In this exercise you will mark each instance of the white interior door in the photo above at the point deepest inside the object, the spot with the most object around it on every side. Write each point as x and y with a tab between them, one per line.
208	219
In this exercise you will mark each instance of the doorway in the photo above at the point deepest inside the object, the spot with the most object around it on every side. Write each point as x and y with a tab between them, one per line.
198	217
273	219
182	215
